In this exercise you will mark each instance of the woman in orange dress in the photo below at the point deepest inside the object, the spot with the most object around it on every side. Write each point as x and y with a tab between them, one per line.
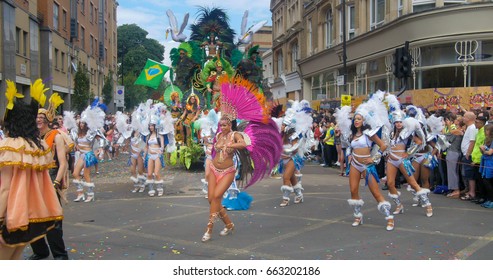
29	206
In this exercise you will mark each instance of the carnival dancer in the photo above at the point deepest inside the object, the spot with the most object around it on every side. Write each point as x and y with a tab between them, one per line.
258	145
405	140
364	153
190	114
55	141
427	152
159	126
90	125
29	207
295	132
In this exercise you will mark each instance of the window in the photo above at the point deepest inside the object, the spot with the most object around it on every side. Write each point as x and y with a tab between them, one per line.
55	59
280	63
309	37
17	40
34	35
91	45
294	56
82	6
328	28
82	37
350	23
56	9
62	62
400	8
64	19
91	12
377	13
423	5
24	46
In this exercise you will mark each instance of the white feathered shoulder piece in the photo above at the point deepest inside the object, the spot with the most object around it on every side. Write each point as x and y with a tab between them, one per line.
208	123
411	127
392	102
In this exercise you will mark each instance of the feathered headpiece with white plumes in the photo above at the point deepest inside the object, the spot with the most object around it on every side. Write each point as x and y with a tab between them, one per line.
344	121
435	127
374	114
299	117
392	102
410	127
417	113
93	117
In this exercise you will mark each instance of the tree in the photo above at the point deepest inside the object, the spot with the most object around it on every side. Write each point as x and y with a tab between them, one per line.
134	48
108	88
82	95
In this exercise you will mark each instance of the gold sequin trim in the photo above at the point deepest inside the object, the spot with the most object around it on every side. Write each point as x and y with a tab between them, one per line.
23	165
22	149
34	221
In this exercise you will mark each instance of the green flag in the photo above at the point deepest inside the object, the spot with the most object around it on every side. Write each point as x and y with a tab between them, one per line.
152	75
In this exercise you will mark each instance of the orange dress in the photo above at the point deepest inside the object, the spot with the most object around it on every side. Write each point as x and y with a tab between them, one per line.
29	205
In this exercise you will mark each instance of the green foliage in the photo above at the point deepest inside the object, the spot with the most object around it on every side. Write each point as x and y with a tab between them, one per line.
82	95
190	154
134	48
108	88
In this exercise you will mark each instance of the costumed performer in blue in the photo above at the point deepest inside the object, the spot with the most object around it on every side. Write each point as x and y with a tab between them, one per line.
364	153
240	99
297	140
90	125
406	139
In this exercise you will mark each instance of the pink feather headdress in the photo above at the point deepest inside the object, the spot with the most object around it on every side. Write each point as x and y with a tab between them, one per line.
240	99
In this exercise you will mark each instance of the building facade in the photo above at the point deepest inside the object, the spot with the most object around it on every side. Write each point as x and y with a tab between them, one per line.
50	39
445	38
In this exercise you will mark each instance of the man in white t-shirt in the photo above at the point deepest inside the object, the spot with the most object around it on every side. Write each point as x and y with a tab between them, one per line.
466	147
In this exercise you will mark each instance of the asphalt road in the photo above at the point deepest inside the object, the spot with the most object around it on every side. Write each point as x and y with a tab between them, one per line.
120	225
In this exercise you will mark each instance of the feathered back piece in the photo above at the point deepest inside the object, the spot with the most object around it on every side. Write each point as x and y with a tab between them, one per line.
241	99
343	121
435	126
69	120
417	113
140	119
264	151
122	125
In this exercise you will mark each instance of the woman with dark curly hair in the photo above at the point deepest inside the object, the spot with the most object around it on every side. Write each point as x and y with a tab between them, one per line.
190	114
29	206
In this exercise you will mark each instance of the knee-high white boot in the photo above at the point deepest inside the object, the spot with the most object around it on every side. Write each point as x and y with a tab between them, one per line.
80	190
150	184
159	187
286	191
357	204
298	194
142	182
384	208
425	201
415	196
90	192
399	209
136	184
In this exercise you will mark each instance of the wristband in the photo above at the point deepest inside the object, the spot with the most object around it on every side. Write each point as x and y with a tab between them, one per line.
56	184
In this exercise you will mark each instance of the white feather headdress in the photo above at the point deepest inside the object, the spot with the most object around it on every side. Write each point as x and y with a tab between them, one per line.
69	120
344	121
93	117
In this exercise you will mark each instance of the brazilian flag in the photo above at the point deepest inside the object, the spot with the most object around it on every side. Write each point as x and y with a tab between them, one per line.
152	75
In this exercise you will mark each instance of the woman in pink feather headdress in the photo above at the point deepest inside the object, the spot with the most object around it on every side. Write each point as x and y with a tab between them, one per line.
239	100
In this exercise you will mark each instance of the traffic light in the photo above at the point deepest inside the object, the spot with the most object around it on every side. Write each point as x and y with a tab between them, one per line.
402	63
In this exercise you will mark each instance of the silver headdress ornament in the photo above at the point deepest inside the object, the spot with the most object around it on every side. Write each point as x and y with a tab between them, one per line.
398	116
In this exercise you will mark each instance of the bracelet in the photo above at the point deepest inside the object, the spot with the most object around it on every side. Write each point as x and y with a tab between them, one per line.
56	184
